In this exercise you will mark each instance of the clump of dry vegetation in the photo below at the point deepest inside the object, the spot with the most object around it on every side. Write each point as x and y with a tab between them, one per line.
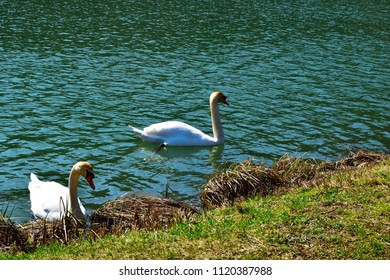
12	238
239	180
247	179
139	212
41	232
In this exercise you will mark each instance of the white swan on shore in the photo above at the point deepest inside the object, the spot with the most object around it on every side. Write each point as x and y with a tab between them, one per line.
175	133
51	200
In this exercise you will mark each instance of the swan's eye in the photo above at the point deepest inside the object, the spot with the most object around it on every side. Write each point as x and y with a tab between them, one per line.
224	100
90	174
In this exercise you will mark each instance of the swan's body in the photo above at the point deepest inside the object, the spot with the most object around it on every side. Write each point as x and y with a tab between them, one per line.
174	133
52	201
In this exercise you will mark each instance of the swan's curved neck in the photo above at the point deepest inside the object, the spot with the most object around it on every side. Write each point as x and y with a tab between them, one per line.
73	197
216	121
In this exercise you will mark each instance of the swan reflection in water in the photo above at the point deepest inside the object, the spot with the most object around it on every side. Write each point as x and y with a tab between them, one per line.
169	153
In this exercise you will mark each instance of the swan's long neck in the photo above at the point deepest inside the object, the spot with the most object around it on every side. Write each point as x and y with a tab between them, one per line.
216	120
73	197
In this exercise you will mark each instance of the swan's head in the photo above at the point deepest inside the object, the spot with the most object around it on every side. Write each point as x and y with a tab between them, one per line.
220	97
85	169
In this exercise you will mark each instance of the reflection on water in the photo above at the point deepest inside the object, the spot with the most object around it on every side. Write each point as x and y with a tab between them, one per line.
302	77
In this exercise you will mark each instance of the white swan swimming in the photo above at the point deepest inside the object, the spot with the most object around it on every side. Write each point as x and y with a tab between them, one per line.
174	133
51	201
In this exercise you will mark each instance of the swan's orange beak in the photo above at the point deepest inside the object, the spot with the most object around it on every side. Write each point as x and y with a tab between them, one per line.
89	178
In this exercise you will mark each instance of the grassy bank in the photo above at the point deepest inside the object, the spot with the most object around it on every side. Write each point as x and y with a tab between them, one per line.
335	213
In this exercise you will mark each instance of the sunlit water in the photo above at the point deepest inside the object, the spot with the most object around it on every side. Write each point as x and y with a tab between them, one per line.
307	78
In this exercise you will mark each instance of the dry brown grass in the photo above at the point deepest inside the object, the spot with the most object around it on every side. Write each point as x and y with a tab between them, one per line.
139	212
240	180
12	237
247	179
65	231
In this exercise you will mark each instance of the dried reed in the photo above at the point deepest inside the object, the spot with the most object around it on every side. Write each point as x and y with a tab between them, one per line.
12	237
138	212
41	232
240	180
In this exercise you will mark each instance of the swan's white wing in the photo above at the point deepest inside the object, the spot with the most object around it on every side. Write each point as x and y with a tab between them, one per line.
136	130
174	133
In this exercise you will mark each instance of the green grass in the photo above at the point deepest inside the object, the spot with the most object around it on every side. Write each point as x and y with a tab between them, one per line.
342	216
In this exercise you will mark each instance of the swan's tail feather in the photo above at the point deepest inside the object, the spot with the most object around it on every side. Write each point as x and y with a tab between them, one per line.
35	182
136	130
33	177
